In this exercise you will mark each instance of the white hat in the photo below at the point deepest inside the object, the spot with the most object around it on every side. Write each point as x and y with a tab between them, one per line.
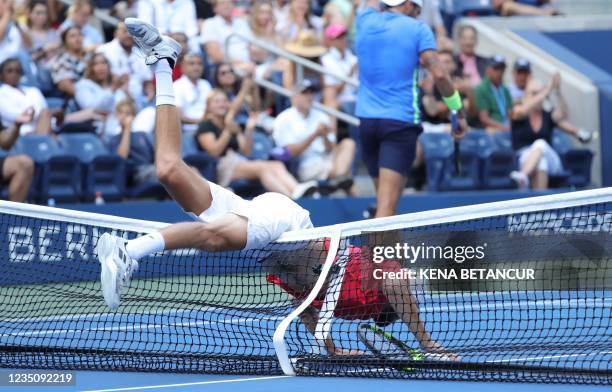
395	3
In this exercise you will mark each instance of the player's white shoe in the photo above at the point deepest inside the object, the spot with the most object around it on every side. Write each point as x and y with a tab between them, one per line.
153	45
117	268
521	179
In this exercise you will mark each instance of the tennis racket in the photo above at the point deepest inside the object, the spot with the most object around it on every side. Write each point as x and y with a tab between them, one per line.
386	346
456	130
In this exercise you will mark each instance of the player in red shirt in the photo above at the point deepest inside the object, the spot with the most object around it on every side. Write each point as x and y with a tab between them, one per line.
362	295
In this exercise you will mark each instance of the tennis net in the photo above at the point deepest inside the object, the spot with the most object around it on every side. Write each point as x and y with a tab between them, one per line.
509	291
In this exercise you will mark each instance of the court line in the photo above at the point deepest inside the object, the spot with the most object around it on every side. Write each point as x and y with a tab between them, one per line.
140	327
186	384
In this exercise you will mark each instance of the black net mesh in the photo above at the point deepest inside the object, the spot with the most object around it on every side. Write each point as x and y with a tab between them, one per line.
190	311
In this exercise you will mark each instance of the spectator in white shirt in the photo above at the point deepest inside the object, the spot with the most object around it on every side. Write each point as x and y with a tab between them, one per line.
520	77
218	28
97	93
125	64
79	14
307	135
171	16
22	98
191	92
341	61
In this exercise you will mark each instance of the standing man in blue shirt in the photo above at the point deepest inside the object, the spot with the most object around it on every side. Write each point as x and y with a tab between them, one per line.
391	44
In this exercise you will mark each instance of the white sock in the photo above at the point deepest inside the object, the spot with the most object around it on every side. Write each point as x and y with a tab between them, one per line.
145	245
164	93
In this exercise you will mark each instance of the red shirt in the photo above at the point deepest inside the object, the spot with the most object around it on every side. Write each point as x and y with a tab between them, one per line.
361	295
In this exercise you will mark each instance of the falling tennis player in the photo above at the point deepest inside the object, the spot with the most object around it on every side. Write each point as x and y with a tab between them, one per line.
224	221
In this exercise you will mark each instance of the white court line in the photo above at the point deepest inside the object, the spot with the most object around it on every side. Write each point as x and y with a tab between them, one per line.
140	327
186	384
550	357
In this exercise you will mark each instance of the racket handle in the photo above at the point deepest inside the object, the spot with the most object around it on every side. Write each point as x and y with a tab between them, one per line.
454	122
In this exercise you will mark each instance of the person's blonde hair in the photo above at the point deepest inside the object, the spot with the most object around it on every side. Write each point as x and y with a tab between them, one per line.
215	92
126	103
257	30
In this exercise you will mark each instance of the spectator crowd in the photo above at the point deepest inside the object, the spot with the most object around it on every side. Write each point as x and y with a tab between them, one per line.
63	71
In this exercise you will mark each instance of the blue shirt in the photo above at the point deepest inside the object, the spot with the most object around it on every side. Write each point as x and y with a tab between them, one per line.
388	46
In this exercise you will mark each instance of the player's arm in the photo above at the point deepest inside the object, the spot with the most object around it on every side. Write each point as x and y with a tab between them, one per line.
310	318
451	97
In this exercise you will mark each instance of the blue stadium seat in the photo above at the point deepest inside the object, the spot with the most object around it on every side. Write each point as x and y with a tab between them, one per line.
437	148
262	145
496	164
194	156
60	173
503	140
104	171
459	8
576	162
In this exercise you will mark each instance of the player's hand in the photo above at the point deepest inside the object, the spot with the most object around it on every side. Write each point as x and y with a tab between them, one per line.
343	351
25	117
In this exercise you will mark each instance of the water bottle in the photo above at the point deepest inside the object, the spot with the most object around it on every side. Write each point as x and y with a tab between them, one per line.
99	200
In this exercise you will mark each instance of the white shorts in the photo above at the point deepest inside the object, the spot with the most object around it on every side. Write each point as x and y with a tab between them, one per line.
550	161
269	215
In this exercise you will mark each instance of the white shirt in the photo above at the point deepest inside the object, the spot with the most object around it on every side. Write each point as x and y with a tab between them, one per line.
11	43
216	29
336	63
292	127
124	63
20	99
178	16
191	99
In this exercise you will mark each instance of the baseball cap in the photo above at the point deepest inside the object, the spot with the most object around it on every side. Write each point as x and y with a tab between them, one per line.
305	86
335	30
522	64
395	3
497	61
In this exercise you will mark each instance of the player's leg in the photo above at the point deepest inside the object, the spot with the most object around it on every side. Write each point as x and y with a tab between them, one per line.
184	185
390	187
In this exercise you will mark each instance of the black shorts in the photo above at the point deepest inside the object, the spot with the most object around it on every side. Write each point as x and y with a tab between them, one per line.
388	143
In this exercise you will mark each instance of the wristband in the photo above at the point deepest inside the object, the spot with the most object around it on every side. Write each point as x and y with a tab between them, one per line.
454	101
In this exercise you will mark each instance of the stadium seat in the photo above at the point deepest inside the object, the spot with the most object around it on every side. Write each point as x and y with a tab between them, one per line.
60	173
104	171
576	162
495	164
437	148
262	145
194	156
503	140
